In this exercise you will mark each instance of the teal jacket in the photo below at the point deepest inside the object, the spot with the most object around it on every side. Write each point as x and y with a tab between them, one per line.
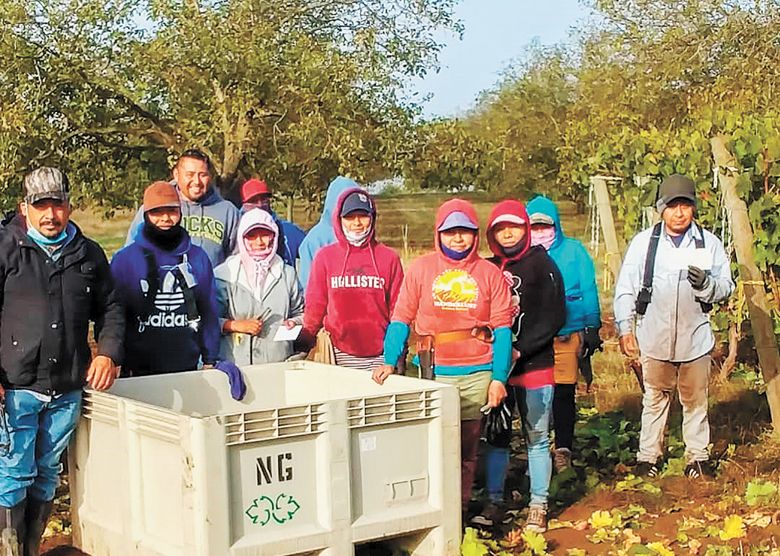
579	274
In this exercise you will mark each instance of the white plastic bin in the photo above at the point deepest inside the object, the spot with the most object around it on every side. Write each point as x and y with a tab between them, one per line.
316	459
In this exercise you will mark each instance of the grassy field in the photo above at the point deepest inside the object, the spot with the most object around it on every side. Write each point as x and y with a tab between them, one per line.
599	507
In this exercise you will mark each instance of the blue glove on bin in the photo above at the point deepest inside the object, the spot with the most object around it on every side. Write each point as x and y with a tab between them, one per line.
237	384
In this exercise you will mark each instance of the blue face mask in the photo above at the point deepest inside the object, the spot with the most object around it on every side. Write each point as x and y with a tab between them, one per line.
41	239
456	255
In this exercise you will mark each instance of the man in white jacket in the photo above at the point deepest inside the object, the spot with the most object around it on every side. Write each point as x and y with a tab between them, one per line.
671	275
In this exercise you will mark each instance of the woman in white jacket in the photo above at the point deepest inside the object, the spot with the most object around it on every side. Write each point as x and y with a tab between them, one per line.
256	294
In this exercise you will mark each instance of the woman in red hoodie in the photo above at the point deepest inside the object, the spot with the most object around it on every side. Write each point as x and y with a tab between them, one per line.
460	303
353	285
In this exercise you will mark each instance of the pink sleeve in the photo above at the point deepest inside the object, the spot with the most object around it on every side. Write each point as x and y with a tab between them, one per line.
396	279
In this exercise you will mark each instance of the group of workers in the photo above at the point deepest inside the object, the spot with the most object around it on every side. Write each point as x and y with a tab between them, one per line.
202	283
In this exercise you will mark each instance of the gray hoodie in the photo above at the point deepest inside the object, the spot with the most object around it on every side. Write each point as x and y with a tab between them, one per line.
211	221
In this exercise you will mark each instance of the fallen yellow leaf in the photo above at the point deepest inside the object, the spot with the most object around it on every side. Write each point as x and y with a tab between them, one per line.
600	518
733	528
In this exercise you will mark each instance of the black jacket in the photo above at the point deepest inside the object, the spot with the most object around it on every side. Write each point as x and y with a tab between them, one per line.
46	308
538	285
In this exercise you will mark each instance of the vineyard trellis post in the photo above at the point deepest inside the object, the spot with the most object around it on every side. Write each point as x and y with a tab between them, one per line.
601	191
752	280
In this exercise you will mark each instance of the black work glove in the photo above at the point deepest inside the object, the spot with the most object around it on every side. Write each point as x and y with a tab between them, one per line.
498	422
697	277
591	341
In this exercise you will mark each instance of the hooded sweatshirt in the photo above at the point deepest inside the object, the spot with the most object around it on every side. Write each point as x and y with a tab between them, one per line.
279	297
290	235
211	222
321	233
536	287
579	274
443	295
159	338
352	289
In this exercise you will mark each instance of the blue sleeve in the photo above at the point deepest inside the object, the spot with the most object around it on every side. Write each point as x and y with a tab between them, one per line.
293	235
396	336
209	319
502	353
121	275
135	226
304	266
590	291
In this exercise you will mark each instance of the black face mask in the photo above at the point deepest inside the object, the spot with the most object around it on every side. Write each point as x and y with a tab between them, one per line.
514	249
167	240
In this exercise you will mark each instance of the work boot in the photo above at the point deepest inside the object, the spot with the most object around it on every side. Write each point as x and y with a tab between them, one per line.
36	518
492	514
12	528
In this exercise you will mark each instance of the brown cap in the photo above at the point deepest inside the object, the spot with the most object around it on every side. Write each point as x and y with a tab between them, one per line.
160	194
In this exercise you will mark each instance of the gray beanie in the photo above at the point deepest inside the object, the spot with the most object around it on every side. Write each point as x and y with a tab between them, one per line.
674	187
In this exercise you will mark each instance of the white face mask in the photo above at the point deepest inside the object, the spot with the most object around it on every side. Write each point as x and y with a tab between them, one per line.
544	237
354	239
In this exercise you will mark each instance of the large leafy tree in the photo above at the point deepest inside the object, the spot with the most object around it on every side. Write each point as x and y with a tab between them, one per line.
296	90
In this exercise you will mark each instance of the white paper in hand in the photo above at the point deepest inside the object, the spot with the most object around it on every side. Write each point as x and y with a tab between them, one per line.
690	256
285	335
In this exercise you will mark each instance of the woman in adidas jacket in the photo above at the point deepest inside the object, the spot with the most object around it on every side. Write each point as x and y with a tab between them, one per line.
168	329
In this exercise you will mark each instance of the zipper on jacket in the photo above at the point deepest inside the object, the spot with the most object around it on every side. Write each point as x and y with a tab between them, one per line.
676	314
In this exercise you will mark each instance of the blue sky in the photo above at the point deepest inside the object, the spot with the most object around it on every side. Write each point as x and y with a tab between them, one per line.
496	32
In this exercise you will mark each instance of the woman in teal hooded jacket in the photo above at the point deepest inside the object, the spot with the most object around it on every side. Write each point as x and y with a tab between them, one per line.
579	337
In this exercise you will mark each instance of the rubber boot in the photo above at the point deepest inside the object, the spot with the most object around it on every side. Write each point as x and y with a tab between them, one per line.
36	518
469	446
12	528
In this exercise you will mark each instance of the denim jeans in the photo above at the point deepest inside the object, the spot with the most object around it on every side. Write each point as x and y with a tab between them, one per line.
534	406
39	431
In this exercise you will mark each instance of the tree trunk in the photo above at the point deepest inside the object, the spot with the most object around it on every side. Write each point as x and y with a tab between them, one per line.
755	294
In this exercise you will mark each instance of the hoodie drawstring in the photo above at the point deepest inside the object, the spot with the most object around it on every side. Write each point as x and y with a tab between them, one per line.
373	259
346	258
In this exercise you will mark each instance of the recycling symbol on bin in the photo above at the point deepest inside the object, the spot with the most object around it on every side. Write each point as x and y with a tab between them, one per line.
263	509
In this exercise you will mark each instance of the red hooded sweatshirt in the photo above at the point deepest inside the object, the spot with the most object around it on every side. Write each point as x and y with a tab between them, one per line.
352	290
443	295
538	302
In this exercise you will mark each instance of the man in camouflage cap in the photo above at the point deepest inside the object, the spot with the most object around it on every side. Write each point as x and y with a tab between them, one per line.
53	282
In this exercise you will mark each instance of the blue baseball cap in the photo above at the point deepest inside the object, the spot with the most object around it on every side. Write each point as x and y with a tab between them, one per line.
457	219
356	201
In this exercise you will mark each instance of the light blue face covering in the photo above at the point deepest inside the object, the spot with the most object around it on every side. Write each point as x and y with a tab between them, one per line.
41	239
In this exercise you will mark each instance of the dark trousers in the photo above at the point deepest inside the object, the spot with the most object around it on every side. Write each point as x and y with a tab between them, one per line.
564	415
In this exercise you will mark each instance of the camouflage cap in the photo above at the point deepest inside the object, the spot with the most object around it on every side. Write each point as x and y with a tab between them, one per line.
45	183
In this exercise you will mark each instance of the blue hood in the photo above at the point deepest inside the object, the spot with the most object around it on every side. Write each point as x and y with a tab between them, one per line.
545	206
322	232
577	269
335	189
